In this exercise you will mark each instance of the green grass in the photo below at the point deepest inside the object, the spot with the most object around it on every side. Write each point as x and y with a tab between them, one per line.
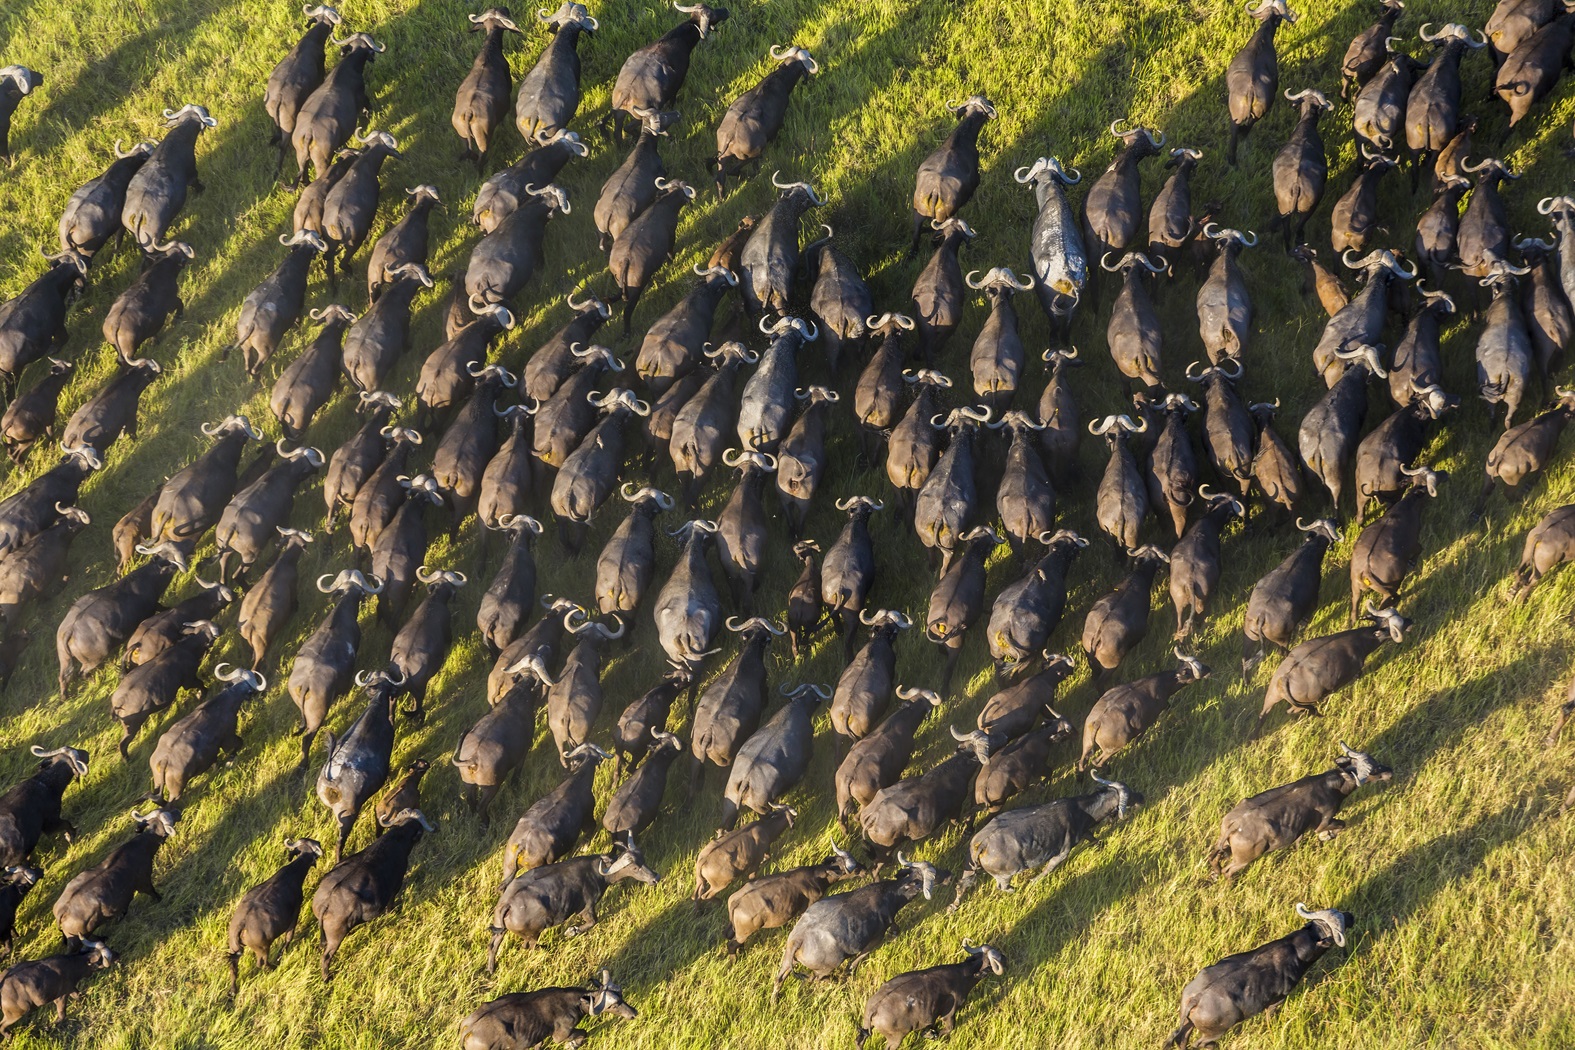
1459	872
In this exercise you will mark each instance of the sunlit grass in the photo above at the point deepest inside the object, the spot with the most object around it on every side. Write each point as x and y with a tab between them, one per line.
1459	872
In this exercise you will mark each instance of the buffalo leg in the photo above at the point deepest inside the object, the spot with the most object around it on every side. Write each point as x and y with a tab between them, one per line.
330	946
1301	224
68	671
849	624
631	296
1217	857
346	822
344	260
1525	580
1558	723
284	942
1251	655
1063	331
484	796
588	917
796	513
387	614
964	883
417	709
306	749
1483	495
782	975
1051	864
1232	871
485	548
948	1019
128	733
571	536
869	444
328	265
1257	730
261	955
690	489
1329	829
953	651
224	565
740	584
906	504
492	948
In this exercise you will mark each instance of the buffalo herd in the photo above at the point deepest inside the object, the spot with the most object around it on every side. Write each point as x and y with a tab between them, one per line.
496	442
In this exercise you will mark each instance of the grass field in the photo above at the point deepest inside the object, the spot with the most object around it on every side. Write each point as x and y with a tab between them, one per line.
1460	871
